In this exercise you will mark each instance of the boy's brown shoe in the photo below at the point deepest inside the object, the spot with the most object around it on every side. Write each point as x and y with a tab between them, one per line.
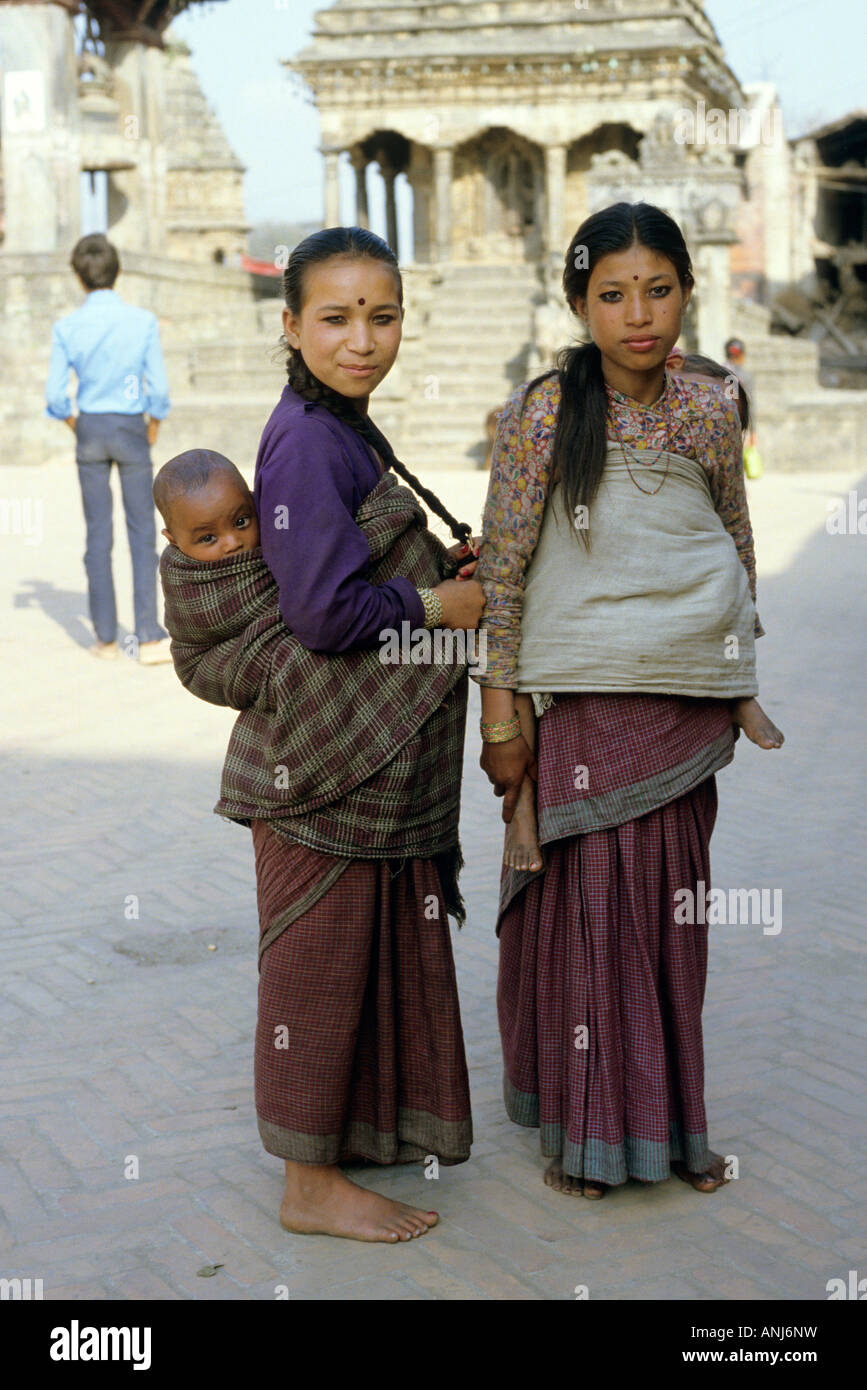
107	651
154	653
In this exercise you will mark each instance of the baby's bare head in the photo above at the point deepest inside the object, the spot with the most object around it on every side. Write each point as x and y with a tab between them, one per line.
694	367
206	505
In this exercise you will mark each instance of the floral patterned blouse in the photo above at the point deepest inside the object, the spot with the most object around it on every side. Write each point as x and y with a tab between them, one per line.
690	418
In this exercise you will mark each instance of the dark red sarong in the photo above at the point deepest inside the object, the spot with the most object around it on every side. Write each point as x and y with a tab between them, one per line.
600	991
359	1048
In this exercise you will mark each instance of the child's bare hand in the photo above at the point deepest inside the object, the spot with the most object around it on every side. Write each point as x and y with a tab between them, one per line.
749	716
506	765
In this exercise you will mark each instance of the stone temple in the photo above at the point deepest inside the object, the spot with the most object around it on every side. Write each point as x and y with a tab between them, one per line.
486	130
507	122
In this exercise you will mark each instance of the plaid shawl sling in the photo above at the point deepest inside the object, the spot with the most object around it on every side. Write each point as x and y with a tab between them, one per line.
315	726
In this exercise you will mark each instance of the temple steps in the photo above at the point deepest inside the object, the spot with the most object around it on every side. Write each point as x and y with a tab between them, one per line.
464	351
230	422
470	354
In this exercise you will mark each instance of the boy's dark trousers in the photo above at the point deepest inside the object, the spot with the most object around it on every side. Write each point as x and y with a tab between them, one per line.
100	440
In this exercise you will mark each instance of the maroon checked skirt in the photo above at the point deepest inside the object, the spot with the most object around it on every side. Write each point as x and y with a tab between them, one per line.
359	1049
600	991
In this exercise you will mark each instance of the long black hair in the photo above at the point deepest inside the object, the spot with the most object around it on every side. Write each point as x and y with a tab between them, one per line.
581	433
322	246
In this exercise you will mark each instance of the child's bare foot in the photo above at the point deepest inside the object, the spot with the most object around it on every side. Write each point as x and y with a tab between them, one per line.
522	849
750	716
322	1201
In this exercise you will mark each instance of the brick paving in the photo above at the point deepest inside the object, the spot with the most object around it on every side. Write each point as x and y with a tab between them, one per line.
126	1038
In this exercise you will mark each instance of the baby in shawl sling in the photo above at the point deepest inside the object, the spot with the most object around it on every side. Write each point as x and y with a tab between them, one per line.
314	727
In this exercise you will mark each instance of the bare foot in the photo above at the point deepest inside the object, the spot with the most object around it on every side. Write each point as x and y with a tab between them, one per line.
594	1190
320	1200
750	716
522	849
714	1175
560	1181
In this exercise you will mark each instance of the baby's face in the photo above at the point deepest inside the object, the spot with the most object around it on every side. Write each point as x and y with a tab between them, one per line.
219	519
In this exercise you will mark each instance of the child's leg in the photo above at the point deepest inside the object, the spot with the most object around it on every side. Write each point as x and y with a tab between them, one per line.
522	849
136	484
749	716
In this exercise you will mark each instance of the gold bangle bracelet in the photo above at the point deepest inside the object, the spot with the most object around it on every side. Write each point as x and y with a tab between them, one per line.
500	731
433	608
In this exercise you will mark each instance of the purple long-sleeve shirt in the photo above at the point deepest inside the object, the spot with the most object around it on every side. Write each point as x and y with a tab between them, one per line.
313	471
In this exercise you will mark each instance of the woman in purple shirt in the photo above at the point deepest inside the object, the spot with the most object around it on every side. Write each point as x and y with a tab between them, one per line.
359	1049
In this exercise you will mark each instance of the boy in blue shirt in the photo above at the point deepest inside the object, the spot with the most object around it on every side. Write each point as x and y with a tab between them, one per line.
115	351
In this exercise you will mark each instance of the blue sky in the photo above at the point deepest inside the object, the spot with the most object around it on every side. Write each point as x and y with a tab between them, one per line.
813	52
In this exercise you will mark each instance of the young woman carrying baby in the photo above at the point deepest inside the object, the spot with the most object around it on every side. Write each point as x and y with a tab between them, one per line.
347	770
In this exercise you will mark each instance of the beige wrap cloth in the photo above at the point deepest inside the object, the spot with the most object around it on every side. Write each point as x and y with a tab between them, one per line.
659	604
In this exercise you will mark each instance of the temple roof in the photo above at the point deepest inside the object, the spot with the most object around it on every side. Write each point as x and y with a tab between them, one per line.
507	47
352	30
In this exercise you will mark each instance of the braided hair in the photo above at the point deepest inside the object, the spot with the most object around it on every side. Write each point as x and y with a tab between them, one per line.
322	246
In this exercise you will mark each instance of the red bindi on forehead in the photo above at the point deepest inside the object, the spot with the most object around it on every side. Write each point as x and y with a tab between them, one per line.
361	301
635	277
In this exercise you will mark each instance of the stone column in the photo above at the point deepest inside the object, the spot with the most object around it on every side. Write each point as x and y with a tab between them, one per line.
555	197
332	188
137	198
443	165
713	297
362	216
389	176
421	208
777	201
41	137
804	210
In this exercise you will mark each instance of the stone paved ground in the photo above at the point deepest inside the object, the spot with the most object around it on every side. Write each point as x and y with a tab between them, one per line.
125	1035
